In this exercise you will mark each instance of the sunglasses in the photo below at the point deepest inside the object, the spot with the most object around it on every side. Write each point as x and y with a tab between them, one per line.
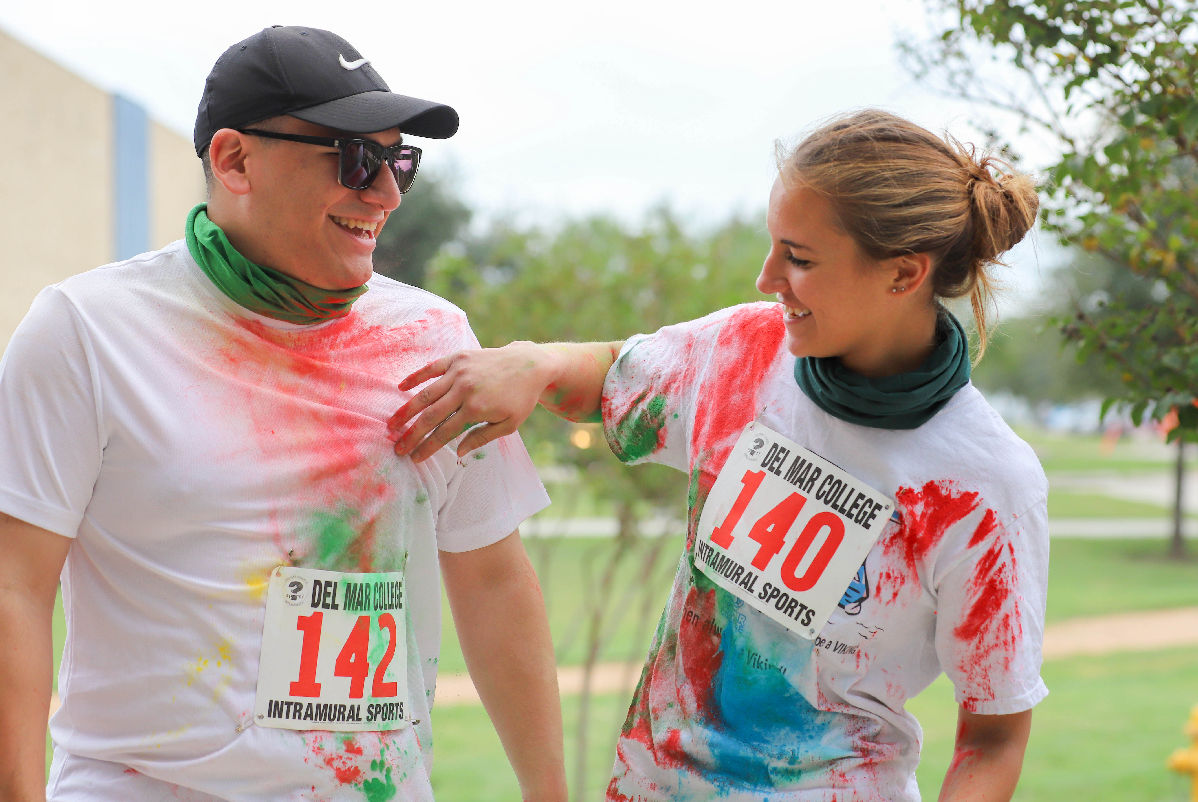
359	160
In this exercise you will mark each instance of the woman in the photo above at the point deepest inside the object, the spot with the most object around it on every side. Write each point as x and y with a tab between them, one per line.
839	444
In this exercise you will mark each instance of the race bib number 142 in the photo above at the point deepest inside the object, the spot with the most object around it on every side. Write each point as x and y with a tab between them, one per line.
334	652
785	530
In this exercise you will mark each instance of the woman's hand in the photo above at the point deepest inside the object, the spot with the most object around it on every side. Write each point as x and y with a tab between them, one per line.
491	391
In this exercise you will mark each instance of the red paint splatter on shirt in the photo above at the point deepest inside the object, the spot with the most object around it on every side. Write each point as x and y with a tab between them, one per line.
990	592
746	348
991	623
344	768
699	651
318	399
699	658
985	530
925	515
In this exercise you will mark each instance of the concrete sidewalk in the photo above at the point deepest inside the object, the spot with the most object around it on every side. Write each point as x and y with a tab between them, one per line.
1161	527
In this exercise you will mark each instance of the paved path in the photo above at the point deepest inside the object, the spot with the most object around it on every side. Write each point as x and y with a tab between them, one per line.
1161	527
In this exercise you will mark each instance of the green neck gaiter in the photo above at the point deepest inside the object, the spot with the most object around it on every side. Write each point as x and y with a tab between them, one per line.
260	289
904	401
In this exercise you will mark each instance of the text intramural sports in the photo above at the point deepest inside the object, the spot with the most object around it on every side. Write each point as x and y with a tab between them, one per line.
319	713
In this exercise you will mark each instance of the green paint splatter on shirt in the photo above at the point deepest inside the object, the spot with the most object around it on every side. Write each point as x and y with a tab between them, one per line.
334	537
692	492
379	789
639	436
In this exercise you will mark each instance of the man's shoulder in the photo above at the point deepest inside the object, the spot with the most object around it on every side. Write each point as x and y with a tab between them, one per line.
394	295
970	436
164	264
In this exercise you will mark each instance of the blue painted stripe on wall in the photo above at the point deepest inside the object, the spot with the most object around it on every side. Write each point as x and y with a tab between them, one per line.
131	178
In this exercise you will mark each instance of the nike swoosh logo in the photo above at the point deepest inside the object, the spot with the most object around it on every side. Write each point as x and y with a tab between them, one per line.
352	65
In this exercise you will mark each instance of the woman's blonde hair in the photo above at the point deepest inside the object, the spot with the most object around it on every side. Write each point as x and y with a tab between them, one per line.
898	189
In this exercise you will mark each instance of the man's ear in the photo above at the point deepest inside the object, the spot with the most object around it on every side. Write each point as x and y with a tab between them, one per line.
910	271
227	155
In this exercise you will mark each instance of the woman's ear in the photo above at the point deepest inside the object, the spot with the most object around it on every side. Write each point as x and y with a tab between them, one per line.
909	272
227	155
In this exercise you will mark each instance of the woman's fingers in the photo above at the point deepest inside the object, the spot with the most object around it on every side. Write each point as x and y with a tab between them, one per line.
425	412
493	390
429	371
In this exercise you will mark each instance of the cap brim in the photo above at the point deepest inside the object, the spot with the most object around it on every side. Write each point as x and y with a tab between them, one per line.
368	112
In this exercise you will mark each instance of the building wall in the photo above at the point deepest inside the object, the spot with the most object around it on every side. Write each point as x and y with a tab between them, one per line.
177	183
62	208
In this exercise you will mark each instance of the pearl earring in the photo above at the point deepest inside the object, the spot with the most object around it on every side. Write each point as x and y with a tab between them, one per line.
898	289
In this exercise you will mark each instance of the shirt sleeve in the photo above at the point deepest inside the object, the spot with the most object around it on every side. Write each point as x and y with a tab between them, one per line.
649	395
489	492
51	435
990	614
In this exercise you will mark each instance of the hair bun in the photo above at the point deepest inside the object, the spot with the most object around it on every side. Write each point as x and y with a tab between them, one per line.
1004	205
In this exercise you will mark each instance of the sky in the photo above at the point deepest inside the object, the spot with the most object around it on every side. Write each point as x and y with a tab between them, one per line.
566	108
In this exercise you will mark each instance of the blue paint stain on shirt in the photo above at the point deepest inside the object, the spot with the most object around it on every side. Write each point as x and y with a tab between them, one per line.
767	733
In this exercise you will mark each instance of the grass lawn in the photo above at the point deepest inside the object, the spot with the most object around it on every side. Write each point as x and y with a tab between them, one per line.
1098	577
1102	735
577	575
469	764
1072	504
1072	453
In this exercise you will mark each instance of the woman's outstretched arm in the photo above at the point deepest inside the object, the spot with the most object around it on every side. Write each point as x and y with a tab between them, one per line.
493	390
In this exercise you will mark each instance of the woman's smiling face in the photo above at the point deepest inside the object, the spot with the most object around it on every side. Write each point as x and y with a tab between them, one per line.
837	302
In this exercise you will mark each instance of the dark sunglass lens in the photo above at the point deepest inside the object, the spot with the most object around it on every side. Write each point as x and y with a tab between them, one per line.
359	164
404	164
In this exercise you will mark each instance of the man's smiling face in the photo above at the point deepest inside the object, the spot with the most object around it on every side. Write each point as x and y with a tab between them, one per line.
303	222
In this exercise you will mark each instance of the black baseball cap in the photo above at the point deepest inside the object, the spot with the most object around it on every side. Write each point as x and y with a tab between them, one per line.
316	76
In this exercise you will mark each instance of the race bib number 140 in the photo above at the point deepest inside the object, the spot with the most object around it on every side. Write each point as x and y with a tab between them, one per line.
785	530
334	652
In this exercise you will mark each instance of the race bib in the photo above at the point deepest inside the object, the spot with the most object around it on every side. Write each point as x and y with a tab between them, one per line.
334	652
785	530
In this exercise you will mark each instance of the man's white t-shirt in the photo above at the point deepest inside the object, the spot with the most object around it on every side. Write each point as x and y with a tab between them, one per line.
190	447
734	705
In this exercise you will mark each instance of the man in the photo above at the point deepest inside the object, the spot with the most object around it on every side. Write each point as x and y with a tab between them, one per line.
195	438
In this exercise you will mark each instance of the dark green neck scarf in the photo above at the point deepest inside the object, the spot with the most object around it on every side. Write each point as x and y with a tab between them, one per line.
904	401
261	289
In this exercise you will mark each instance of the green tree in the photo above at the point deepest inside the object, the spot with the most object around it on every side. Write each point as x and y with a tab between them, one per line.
430	216
1110	84
596	279
1029	356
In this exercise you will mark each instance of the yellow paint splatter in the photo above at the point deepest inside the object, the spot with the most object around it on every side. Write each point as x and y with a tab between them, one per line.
222	659
193	670
256	580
